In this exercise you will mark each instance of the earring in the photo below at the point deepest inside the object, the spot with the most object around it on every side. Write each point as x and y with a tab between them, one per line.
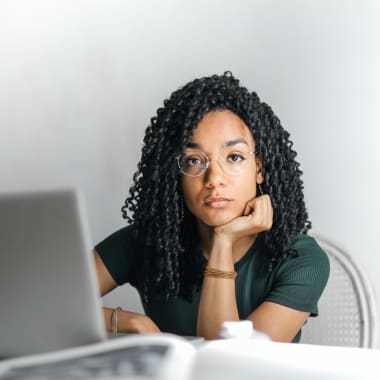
260	189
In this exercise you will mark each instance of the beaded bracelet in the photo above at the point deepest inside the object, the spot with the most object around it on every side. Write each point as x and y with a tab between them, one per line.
213	272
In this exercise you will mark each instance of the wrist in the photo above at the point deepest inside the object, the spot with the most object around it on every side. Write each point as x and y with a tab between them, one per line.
220	256
226	237
221	242
217	273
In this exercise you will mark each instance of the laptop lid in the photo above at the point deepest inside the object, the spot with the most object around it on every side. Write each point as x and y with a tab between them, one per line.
48	288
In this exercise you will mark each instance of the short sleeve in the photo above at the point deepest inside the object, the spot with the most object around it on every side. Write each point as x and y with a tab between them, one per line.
118	253
300	280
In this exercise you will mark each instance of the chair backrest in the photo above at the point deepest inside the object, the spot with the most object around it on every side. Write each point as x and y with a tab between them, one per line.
347	308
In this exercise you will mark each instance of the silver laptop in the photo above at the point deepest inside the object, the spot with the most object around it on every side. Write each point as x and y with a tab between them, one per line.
50	304
48	289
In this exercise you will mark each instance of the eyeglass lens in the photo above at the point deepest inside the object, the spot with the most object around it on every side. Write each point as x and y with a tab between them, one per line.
233	161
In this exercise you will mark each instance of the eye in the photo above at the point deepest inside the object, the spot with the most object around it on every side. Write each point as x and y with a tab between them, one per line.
235	158
193	161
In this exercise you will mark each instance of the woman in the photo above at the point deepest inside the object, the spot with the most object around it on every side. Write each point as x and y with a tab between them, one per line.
218	224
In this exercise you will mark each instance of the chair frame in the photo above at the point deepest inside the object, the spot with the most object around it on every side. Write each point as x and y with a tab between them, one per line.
364	291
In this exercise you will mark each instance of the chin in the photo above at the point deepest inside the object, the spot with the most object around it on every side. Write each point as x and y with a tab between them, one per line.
219	220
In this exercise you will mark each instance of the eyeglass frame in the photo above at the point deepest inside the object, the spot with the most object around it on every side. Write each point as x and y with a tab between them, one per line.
252	152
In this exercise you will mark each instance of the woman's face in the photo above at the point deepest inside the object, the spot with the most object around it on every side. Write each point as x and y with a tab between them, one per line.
220	194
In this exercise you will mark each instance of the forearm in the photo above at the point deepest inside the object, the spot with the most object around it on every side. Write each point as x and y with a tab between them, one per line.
218	299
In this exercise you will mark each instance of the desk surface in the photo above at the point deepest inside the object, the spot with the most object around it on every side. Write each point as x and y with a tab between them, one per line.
167	357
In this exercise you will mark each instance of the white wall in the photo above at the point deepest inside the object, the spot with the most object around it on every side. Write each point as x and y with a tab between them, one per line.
79	81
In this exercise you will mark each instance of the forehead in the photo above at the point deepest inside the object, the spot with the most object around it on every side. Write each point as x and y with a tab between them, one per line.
217	128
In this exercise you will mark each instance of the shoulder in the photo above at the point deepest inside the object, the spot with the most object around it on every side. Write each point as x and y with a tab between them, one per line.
118	252
126	231
307	247
309	260
299	279
123	236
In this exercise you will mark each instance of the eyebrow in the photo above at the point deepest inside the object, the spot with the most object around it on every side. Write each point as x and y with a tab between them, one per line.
228	143
239	140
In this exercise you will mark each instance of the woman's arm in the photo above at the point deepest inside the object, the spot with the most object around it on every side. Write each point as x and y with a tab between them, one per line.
105	280
218	297
218	301
218	304
279	322
128	322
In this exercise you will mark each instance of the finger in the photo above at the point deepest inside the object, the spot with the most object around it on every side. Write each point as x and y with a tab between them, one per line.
268	213
255	216
252	202
263	201
247	210
262	215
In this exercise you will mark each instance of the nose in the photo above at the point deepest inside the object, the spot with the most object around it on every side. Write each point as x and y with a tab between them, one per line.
214	175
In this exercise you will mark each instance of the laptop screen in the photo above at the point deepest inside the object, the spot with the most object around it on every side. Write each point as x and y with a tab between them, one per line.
48	288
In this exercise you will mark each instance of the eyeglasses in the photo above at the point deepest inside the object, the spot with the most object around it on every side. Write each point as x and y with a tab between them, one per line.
231	159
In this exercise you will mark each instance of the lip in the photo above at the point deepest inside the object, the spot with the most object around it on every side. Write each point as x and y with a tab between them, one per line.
217	202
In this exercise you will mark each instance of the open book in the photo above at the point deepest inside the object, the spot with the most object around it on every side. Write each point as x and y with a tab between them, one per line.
169	357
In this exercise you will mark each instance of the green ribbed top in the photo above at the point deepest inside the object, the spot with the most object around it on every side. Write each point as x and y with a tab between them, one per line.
297	282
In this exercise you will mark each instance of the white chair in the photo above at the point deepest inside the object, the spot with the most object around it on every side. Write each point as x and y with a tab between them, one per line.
347	308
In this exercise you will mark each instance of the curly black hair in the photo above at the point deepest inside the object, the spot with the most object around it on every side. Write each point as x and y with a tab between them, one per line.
171	259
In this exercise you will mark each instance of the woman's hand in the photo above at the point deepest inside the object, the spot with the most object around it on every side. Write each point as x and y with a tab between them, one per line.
130	322
257	217
136	323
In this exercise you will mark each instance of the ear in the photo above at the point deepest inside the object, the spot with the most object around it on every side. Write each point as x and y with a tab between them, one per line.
259	172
